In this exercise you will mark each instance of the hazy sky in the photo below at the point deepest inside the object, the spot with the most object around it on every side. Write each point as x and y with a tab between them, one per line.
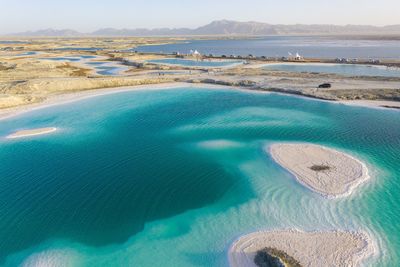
88	15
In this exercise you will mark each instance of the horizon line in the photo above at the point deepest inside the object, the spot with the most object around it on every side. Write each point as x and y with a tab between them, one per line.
194	28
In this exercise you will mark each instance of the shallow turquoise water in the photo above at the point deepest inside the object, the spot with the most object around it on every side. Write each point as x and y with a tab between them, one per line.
196	63
172	177
341	69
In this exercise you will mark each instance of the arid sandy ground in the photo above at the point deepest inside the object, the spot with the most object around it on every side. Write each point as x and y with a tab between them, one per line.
28	78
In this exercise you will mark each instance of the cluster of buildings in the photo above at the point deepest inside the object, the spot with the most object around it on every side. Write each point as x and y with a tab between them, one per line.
355	60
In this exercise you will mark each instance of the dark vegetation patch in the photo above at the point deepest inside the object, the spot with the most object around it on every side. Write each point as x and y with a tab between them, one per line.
272	257
320	168
6	66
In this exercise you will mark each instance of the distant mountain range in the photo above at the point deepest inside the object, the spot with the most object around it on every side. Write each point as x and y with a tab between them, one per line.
225	27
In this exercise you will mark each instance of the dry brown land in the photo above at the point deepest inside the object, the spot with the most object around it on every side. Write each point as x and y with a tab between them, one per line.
29	79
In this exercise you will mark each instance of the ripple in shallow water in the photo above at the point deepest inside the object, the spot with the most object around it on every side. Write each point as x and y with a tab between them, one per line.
162	172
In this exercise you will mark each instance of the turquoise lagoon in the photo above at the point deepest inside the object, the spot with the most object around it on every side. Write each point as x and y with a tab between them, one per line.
340	69
172	177
196	63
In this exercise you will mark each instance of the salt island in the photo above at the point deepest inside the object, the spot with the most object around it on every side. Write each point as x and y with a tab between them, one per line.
326	171
295	248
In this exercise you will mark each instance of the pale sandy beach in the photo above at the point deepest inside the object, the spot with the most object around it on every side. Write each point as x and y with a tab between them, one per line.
326	171
31	132
373	103
75	96
60	99
312	249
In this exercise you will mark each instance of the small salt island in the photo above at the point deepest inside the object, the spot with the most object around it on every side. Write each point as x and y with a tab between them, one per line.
32	132
293	248
326	171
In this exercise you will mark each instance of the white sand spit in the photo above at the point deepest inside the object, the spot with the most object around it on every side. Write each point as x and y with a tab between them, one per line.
324	170
308	248
31	132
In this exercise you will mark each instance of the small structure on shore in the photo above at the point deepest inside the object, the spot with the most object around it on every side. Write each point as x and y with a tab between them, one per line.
374	61
296	57
342	60
196	54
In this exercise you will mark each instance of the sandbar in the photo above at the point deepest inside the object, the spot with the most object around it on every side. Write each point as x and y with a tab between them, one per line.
326	171
312	249
32	132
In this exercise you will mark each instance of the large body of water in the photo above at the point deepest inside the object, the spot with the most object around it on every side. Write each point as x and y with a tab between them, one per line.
340	69
172	177
280	46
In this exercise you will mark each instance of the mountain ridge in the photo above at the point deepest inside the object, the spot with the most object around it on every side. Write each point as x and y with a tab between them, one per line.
223	27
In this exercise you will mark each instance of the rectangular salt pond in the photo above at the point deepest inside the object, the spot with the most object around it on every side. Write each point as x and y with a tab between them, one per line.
340	69
195	63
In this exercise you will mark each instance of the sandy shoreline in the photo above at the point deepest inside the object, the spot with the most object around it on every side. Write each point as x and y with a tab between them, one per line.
326	171
31	132
313	249
75	96
381	104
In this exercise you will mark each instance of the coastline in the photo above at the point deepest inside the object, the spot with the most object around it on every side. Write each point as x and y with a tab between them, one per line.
64	98
345	166
377	104
60	99
314	249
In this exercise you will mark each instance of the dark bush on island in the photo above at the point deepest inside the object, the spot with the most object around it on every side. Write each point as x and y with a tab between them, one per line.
319	168
271	257
263	259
